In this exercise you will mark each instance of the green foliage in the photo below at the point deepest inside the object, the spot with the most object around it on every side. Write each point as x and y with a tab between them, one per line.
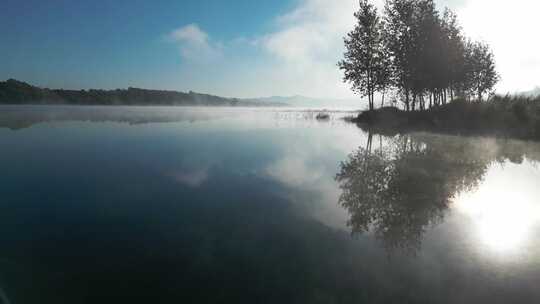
422	55
480	72
366	64
505	116
17	92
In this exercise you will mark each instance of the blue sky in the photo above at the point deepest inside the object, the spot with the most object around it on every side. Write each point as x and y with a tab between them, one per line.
242	48
109	44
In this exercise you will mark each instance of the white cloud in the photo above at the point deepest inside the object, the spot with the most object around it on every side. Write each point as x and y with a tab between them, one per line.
510	29
307	45
311	32
191	178
302	167
294	171
308	42
195	44
300	55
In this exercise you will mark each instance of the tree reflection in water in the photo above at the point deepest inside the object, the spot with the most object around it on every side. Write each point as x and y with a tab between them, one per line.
400	189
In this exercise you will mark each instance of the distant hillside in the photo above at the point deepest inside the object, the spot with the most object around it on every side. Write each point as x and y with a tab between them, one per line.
308	102
16	92
532	93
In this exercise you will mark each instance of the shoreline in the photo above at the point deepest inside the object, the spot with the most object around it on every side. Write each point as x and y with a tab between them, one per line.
505	117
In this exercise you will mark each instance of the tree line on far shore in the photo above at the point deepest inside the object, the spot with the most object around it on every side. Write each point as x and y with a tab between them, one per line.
417	53
17	92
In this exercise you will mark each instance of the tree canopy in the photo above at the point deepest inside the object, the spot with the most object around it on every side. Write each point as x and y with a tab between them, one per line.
366	64
418	52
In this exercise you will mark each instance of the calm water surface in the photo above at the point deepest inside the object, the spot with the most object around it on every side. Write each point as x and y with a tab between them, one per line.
187	205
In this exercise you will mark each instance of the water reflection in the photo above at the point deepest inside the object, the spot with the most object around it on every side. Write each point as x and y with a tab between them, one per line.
22	117
243	209
503	219
406	185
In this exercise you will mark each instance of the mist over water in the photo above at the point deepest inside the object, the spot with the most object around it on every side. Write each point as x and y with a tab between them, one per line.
158	204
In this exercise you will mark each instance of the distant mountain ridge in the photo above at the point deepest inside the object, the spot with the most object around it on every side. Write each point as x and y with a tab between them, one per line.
532	93
303	101
17	92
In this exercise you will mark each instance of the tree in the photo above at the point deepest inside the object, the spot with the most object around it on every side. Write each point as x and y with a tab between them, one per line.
429	68
398	35
385	73
417	51
480	68
365	63
455	47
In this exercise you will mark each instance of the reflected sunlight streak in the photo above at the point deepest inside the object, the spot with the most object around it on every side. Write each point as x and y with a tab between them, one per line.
504	209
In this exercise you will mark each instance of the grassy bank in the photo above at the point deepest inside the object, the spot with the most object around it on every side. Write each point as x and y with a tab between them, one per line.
517	117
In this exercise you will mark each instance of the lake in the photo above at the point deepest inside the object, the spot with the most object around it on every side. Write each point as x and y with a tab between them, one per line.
238	205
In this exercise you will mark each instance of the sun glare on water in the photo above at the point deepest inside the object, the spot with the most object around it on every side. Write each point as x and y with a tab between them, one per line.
505	209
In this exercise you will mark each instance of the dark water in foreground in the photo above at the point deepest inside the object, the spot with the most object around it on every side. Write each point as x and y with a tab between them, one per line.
179	205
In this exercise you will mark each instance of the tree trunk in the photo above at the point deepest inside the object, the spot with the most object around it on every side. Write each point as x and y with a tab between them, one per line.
369	91
444	92
370	140
372	101
407	100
